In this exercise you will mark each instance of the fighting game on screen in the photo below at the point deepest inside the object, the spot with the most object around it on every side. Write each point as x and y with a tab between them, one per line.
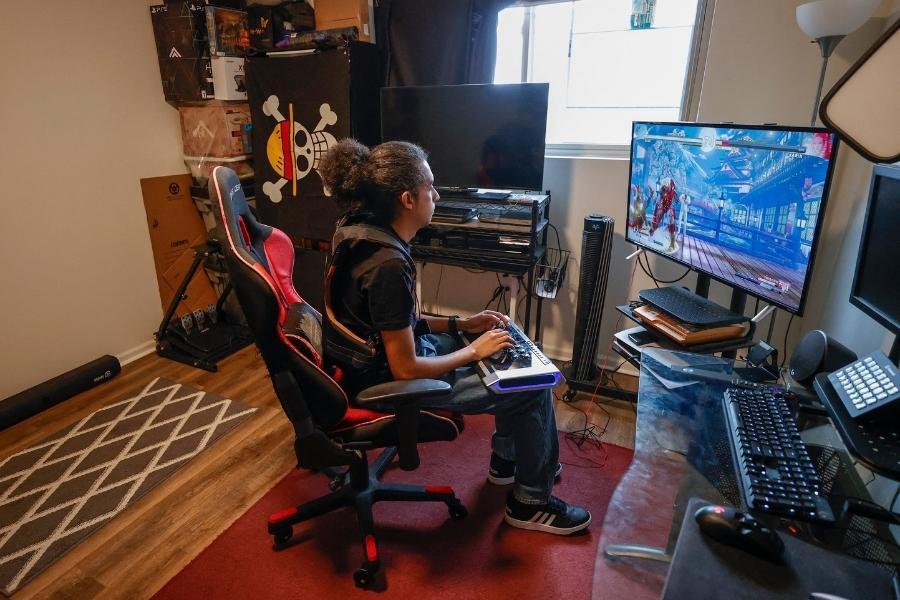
740	204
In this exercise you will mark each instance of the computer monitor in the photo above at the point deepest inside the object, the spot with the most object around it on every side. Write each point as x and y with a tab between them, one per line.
876	287
740	203
477	136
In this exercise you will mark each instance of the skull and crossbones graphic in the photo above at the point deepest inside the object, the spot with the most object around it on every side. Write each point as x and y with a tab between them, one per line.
291	149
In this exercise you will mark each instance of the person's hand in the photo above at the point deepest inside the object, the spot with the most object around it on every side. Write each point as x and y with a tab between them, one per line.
483	321
491	342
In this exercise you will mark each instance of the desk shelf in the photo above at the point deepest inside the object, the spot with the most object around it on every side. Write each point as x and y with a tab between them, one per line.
663	342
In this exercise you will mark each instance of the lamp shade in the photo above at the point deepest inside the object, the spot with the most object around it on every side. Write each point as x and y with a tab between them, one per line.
824	18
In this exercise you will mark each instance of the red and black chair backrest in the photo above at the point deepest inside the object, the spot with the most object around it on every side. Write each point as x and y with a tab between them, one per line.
287	330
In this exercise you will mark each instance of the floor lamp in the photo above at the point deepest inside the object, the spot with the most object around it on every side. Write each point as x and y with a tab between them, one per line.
828	22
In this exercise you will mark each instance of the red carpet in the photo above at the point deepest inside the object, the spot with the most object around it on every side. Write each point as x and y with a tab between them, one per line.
423	552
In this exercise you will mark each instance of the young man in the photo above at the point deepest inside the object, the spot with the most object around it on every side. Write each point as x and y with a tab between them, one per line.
390	190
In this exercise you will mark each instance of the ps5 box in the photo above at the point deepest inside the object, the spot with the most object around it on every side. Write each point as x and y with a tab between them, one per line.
186	79
180	30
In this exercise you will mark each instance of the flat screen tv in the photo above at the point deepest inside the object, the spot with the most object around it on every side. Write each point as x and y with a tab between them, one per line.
740	203
477	136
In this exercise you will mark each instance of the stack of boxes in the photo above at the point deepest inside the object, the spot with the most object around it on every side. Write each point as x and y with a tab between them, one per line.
201	46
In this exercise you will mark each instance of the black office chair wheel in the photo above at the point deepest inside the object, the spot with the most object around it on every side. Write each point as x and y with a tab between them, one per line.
283	536
364	577
458	511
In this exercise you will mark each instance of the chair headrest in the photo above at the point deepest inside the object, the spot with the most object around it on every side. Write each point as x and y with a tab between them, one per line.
236	225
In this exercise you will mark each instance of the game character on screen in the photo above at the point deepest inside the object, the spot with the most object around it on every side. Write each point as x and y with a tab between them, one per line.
664	207
638	209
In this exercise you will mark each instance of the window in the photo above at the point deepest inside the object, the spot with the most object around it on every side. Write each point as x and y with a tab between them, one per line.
608	62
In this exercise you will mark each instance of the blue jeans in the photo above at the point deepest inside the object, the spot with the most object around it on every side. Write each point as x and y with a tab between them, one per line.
524	421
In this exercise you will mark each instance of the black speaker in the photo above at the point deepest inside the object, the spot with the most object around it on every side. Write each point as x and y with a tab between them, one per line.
44	395
596	250
818	353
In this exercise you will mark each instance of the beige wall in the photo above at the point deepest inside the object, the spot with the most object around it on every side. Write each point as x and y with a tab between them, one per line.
83	120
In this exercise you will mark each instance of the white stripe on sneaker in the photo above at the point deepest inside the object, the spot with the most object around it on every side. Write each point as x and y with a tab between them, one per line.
550	520
537	516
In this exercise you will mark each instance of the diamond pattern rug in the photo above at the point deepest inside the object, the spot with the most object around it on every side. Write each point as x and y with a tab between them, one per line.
56	493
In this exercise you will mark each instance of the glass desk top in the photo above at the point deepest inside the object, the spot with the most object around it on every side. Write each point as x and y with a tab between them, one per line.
682	450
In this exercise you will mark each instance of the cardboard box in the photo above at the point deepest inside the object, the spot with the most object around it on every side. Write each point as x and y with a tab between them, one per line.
215	129
228	78
186	79
228	32
175	228
340	14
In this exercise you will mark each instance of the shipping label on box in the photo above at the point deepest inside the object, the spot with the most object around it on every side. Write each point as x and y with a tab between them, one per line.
220	130
228	78
175	228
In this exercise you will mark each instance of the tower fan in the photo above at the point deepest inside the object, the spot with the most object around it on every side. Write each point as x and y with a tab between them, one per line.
596	249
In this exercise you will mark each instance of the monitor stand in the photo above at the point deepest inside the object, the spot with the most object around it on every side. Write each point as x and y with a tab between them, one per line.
738	301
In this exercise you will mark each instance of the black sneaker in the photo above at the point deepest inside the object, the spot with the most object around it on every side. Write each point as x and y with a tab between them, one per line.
503	472
555	516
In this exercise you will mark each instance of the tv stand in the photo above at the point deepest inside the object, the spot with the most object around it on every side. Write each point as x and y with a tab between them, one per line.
473	194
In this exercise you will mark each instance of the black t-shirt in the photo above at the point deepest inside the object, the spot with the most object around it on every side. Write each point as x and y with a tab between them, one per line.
375	291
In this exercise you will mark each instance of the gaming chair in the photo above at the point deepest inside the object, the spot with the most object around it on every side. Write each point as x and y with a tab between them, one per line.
332	432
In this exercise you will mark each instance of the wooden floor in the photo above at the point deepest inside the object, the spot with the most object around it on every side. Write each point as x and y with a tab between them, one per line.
135	554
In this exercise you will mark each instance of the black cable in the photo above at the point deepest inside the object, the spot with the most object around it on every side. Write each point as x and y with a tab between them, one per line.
649	272
558	245
784	345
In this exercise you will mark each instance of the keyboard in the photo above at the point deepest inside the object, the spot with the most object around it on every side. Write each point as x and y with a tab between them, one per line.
517	369
868	385
775	472
688	307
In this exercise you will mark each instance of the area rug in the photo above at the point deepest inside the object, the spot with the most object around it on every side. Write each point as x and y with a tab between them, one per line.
424	553
56	493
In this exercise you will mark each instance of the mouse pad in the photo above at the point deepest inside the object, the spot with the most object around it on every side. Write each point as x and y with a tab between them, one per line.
704	568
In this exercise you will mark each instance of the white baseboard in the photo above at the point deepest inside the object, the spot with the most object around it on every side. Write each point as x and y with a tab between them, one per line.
139	351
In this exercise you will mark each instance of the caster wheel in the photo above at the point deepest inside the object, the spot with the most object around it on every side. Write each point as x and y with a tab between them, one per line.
458	511
283	536
363	577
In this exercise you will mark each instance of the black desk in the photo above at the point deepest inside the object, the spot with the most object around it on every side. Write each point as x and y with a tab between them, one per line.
682	451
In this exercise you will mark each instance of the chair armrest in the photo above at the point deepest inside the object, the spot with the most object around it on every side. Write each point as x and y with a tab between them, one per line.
403	392
405	395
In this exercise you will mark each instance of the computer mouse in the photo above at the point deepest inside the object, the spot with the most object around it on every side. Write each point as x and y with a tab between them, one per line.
730	526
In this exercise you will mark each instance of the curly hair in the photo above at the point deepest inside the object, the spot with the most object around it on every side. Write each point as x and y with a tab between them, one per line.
372	180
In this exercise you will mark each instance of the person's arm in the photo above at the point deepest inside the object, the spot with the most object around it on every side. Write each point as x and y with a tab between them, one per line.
486	319
400	348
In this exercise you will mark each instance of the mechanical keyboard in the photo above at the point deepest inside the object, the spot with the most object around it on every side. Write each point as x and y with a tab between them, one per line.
688	307
868	385
517	369
775	472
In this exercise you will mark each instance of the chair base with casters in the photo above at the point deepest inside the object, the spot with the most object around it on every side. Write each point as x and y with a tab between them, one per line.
362	490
